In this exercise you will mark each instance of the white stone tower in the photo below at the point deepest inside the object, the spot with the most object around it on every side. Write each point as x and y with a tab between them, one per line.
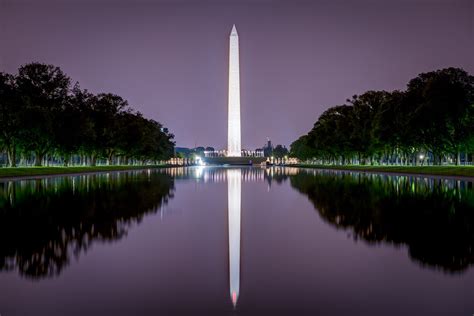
233	132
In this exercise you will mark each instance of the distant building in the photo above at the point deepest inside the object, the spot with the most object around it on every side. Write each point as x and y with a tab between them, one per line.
243	153
268	148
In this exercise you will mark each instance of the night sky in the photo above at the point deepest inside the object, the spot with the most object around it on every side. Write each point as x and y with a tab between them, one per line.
169	59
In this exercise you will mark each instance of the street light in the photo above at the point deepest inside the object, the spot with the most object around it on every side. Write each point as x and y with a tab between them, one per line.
421	158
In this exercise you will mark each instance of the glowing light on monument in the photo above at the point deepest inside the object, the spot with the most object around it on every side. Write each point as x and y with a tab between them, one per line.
233	214
233	132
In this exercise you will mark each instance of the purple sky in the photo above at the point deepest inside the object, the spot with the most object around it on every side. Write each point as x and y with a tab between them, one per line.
169	58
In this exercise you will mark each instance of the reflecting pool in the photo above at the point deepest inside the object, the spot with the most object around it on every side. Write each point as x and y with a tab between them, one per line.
237	241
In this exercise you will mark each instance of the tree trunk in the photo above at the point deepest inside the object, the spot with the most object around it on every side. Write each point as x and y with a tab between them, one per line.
93	160
11	153
110	157
39	159
66	160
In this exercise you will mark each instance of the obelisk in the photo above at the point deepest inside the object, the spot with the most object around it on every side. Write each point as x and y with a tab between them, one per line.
233	132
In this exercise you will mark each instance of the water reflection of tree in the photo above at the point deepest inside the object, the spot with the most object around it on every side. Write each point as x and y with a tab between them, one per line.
44	222
434	218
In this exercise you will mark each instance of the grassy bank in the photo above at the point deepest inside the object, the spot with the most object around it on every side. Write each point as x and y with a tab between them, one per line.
46	171
459	171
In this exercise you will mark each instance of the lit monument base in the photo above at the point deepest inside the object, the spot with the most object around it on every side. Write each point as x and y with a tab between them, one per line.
240	161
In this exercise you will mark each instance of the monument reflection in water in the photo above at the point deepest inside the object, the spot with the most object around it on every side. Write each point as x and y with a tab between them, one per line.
234	212
307	234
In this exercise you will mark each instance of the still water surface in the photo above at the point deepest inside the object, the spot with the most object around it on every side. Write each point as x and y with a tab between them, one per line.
245	241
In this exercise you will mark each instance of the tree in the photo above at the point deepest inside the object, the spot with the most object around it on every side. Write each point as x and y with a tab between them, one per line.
104	115
434	115
44	93
74	132
301	149
331	134
441	105
41	114
83	134
10	117
280	151
389	127
365	109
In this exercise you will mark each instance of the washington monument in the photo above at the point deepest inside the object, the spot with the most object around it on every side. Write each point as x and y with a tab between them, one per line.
233	133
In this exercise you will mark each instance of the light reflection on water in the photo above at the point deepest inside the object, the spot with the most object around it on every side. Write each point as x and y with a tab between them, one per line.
234	193
49	225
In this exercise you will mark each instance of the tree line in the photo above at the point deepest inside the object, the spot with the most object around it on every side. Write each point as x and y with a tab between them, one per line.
430	122
45	120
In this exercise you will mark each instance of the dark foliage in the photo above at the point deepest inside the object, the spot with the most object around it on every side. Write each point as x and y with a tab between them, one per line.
45	120
432	119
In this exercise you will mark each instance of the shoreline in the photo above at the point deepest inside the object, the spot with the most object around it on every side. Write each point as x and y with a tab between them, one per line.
30	173
446	172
